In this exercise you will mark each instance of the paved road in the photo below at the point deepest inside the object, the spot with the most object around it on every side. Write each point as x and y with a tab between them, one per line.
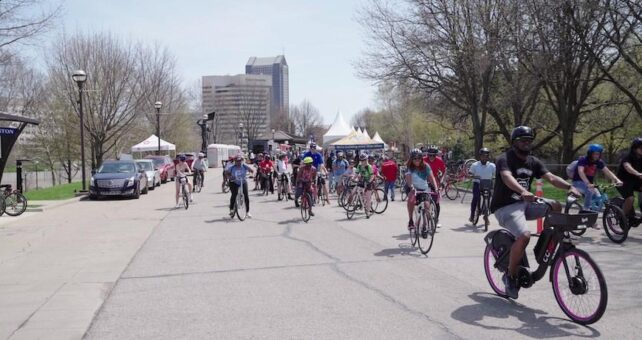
199	274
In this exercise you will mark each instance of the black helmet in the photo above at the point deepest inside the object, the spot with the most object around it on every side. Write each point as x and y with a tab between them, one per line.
414	153
522	132
484	151
432	150
636	143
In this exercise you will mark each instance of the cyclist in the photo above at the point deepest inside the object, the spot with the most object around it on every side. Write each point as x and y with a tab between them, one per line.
182	170
200	167
389	170
318	164
585	171
281	168
418	177
257	161
305	178
237	173
480	170
630	171
366	177
338	169
513	203
266	167
438	168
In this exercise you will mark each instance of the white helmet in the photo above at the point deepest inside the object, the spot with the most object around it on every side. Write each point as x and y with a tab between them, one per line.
200	154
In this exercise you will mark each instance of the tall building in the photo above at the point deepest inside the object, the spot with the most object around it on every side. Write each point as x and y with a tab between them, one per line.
276	67
238	99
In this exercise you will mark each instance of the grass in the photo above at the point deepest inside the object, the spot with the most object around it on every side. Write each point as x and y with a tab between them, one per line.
59	192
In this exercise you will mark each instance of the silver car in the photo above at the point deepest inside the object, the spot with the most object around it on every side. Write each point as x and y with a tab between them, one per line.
153	175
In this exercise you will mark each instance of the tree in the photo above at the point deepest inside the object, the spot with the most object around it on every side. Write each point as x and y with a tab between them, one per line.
252	109
305	118
22	20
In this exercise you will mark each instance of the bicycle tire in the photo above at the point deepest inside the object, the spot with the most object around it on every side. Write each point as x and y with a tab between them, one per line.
3	205
404	194
414	235
493	275
579	286
569	209
305	207
15	204
351	207
239	205
452	191
615	223
382	203
185	199
486	213
476	214
426	238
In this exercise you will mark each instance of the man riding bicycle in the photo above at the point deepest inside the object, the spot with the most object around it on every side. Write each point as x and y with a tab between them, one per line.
200	168
366	178
630	171
482	170
305	180
438	168
266	167
182	170
513	203
418	177
237	174
338	169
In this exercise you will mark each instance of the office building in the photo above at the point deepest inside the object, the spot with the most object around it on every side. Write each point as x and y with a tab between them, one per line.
238	99
276	67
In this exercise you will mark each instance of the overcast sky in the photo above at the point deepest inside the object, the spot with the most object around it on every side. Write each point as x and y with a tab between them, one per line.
320	39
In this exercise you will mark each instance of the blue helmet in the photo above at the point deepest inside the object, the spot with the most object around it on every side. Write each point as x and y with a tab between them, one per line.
595	148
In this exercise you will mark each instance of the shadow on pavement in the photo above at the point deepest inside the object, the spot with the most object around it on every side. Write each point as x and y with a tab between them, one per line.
292	220
404	249
226	219
489	311
402	237
469	228
167	209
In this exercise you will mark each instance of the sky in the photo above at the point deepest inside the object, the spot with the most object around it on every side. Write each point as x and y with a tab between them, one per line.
321	40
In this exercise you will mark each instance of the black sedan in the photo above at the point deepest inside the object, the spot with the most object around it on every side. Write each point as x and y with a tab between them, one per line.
118	178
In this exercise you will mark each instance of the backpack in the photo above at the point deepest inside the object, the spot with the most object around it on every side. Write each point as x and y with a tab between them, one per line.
570	169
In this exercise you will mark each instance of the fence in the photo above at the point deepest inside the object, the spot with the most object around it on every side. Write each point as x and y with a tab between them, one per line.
32	180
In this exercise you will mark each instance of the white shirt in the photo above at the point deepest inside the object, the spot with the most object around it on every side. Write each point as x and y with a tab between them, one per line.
483	171
281	167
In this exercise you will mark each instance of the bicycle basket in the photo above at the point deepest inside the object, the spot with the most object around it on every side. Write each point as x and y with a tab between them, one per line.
568	222
485	184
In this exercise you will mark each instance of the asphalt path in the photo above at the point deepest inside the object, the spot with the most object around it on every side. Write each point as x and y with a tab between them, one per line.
204	275
115	269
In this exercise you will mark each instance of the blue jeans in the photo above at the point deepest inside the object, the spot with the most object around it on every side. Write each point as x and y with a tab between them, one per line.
588	194
390	186
476	197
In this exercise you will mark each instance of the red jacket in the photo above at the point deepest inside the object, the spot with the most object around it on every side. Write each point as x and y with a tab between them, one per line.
437	166
389	170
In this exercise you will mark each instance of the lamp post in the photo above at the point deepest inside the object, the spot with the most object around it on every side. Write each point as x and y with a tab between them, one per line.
35	163
158	106
203	124
273	143
79	76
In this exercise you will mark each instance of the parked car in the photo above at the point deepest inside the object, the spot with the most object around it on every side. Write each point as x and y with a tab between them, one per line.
153	175
118	178
165	166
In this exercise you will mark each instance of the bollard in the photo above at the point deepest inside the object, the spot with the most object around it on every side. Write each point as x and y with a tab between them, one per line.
539	192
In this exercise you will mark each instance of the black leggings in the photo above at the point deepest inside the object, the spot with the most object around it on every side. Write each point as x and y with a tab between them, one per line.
234	188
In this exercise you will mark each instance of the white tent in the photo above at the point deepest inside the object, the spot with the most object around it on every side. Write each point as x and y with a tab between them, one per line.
378	138
338	130
365	133
151	144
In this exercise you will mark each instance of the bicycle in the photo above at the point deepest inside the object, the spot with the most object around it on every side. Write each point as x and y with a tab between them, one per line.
574	276
13	202
239	205
380	201
321	196
483	207
425	225
355	201
282	192
198	180
184	192
306	202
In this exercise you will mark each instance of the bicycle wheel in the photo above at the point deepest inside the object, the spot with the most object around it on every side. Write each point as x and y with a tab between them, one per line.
486	212
414	235
574	207
404	194
427	232
2	205
579	287
185	198
305	207
452	191
15	204
381	202
351	207
615	223
493	275
241	211
200	185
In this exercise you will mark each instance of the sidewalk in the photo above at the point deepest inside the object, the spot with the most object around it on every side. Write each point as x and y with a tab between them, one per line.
36	208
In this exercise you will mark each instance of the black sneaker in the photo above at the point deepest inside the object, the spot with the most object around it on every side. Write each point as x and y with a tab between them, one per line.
296	204
511	286
411	225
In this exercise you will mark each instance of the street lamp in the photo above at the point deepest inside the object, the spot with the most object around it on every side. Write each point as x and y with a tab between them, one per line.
158	106
35	163
273	146
79	76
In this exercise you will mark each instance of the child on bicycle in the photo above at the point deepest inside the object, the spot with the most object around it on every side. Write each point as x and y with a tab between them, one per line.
480	171
281	168
418	176
585	171
366	176
182	170
304	180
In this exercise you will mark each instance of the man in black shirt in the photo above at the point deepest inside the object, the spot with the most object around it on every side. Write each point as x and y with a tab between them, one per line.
630	172
513	203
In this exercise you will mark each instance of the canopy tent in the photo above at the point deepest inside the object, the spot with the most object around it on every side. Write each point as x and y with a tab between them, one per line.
365	132
377	138
151	144
338	130
357	141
